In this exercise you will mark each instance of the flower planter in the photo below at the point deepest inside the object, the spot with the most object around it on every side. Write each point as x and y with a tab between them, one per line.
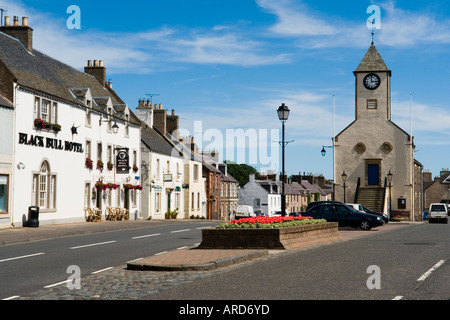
279	238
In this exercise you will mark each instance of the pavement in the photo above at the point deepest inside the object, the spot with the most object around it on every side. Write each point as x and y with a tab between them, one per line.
191	259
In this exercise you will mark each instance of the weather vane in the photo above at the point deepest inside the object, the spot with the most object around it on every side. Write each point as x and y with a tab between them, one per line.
373	27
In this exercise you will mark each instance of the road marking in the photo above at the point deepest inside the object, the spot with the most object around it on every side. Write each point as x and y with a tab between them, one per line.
12	297
106	269
426	274
183	230
57	284
93	244
203	227
147	235
134	260
157	254
181	248
398	298
21	257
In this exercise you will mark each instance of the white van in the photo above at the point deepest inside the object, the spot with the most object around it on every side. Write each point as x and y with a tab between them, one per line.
437	212
243	211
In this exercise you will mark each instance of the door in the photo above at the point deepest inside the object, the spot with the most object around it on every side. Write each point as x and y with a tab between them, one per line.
373	174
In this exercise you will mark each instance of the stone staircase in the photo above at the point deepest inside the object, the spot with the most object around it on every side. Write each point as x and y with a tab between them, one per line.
371	197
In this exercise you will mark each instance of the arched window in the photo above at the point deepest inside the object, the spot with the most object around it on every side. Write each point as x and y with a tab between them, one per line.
44	184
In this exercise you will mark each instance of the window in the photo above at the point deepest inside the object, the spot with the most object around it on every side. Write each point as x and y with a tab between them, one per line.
87	195
371	104
3	194
198	201
44	187
46	110
195	172
109	154
99	151
158	169
192	200
88	114
158	201
257	203
88	149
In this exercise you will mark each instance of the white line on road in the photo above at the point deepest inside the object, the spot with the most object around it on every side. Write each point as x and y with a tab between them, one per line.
181	248
426	274
183	230
147	235
157	254
11	298
398	298
106	269
134	260
21	257
93	244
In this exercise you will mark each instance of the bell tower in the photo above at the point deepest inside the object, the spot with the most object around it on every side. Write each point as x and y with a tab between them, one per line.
372	87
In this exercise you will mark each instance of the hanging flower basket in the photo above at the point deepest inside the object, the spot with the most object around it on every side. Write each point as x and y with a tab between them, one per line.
112	186
138	187
100	185
88	163
110	165
100	165
128	186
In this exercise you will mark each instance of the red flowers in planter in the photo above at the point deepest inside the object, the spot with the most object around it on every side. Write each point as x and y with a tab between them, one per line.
266	220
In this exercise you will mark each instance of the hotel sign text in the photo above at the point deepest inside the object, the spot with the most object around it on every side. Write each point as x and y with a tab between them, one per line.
51	143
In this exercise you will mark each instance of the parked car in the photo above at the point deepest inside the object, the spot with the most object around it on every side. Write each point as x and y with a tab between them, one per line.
295	214
438	212
383	215
314	203
425	214
278	213
344	215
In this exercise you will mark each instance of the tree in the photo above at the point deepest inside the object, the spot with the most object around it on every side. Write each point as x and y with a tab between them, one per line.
240	172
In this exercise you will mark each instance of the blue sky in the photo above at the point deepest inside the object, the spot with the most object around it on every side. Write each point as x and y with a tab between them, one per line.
226	66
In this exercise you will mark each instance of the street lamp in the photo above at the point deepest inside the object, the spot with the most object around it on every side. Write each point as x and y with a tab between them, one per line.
283	115
344	179
389	178
115	127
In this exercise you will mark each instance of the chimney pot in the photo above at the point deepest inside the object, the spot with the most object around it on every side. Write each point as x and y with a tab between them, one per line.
7	21
95	63
100	63
160	106
89	63
16	20
25	21
173	112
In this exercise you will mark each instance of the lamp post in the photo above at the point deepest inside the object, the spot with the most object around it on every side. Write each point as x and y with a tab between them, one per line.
283	115
344	179
389	178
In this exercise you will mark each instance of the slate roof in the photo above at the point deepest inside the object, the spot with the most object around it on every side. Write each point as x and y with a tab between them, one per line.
155	142
372	61
4	102
39	72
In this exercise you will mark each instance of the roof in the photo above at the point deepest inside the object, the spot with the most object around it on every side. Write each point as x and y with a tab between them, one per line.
39	72
372	61
4	102
155	142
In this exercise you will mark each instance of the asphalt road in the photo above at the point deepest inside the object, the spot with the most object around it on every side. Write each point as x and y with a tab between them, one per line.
27	267
406	263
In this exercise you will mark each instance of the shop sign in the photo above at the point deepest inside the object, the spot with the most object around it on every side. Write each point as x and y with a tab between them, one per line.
122	165
158	188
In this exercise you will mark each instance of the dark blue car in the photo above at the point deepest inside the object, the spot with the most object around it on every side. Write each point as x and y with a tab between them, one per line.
344	215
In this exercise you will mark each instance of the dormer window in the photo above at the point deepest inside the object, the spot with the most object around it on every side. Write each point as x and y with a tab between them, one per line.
88	113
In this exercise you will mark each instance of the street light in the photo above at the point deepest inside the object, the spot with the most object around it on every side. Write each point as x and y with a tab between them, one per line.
283	115
324	152
389	178
115	127
344	179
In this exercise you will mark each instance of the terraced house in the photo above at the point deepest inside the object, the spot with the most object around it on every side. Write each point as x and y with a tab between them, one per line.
76	143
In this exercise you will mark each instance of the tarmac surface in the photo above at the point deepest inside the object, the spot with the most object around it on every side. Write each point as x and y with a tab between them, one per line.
140	279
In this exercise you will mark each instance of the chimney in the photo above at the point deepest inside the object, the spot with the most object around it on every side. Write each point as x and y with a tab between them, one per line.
97	70
172	122
160	119
144	112
22	32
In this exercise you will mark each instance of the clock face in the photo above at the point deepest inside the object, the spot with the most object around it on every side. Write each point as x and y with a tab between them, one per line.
371	81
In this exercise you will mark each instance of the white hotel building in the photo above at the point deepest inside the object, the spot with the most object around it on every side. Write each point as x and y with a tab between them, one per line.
61	117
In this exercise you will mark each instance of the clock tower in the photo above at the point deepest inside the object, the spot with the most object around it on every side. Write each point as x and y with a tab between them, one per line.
372	87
